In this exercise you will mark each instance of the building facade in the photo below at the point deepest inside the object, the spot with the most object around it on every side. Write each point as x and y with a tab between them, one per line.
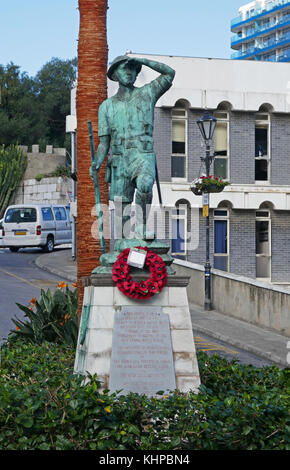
262	31
250	219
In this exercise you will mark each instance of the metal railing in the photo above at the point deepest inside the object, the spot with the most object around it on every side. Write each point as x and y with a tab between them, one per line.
284	57
259	49
260	29
275	4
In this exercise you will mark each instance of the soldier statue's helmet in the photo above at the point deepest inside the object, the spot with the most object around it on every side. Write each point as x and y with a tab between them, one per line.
116	62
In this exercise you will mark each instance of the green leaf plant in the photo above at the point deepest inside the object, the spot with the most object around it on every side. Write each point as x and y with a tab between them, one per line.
53	317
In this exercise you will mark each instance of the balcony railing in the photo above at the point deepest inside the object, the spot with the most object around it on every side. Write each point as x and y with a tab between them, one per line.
274	5
240	54
284	57
264	47
260	30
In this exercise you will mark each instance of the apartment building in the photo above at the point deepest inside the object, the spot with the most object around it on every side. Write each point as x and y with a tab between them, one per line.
262	31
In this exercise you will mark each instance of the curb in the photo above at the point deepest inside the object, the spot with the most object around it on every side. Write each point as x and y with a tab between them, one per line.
60	274
244	347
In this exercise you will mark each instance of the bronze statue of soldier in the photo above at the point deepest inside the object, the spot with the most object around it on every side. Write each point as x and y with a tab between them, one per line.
126	123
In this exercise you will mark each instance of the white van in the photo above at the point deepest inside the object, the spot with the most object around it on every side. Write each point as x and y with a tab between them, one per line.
42	225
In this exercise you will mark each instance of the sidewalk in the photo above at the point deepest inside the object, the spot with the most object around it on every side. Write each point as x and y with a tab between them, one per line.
59	262
253	339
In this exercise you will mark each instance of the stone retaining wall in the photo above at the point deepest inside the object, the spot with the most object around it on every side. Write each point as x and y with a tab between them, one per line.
55	190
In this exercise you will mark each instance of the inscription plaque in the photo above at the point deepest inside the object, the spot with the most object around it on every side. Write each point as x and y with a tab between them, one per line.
142	357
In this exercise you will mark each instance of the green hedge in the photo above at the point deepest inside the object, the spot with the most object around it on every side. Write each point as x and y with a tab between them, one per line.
43	406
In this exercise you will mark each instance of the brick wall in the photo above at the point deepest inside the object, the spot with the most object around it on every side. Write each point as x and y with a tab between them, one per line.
280	246
196	147
280	149
242	147
198	255
242	242
162	142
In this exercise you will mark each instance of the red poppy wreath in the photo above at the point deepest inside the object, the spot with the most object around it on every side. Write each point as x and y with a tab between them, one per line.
143	289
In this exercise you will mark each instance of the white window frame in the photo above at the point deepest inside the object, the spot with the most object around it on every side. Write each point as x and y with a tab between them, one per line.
227	121
227	218
184	118
180	217
264	124
268	219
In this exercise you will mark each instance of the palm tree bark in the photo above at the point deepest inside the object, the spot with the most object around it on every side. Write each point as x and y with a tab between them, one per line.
91	92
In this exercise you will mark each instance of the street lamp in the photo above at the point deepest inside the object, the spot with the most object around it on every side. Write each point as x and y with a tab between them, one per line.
206	126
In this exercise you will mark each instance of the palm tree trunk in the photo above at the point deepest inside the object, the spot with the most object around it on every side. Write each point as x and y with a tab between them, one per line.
91	92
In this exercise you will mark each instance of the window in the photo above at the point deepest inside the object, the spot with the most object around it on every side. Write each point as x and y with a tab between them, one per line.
265	22
21	215
269	41
221	144
59	213
46	213
263	244
221	239
179	141
262	147
179	231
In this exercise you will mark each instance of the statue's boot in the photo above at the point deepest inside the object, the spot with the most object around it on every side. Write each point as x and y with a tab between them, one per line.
143	203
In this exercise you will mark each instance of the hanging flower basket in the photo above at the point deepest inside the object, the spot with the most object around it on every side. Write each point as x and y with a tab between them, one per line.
210	184
144	289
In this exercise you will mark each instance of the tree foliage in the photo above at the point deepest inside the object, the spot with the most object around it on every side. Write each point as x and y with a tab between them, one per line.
33	110
53	84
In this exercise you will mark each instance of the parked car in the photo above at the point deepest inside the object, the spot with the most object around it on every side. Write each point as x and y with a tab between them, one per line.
42	225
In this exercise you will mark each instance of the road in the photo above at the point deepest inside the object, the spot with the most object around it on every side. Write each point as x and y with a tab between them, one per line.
213	346
21	279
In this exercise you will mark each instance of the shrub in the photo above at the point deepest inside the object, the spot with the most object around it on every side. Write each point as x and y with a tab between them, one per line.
43	406
40	176
61	170
52	318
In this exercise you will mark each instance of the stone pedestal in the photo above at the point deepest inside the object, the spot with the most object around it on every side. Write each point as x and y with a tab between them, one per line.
102	301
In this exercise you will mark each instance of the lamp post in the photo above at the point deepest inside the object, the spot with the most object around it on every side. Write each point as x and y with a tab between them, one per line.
206	126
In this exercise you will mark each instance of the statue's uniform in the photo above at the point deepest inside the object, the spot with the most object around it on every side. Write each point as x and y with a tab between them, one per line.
129	123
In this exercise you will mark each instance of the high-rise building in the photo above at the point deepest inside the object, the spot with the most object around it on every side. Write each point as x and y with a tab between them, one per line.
262	31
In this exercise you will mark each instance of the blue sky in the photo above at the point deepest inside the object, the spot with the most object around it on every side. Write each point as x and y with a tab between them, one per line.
34	31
